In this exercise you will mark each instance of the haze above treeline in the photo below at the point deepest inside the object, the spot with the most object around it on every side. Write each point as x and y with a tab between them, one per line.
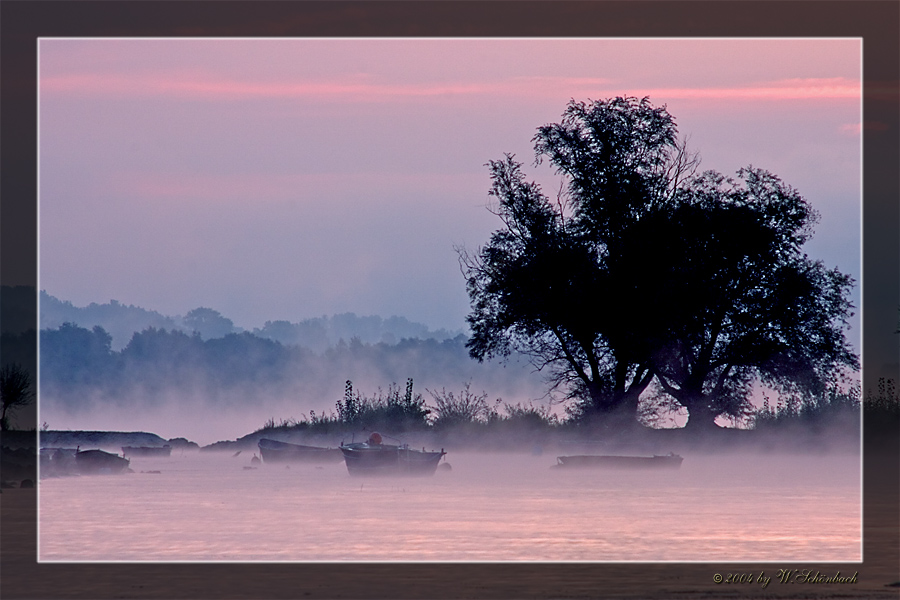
106	356
318	334
180	382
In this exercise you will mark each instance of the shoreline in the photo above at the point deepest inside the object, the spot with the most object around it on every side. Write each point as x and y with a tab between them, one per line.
19	448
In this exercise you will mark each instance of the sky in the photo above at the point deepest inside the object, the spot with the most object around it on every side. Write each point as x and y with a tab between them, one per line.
294	178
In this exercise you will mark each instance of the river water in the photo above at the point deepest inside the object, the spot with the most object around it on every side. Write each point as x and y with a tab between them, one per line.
196	506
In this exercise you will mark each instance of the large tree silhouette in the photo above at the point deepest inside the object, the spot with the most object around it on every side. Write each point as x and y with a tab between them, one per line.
641	269
728	298
542	285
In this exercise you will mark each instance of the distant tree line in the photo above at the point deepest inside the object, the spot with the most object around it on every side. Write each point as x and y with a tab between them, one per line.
321	333
318	334
119	320
76	360
78	366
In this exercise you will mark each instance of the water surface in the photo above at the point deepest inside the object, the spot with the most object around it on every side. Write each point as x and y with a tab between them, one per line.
489	507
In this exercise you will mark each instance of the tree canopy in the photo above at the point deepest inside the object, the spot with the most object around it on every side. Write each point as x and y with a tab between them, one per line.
643	270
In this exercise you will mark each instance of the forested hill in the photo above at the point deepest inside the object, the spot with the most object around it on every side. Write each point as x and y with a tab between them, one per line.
118	320
80	370
112	354
122	321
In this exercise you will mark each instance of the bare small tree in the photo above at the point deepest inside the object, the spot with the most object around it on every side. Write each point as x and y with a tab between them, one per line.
15	390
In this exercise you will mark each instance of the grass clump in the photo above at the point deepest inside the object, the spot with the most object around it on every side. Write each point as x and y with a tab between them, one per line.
882	410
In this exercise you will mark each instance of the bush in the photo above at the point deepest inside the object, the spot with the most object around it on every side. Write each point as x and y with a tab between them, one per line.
464	409
528	417
882	411
391	410
836	407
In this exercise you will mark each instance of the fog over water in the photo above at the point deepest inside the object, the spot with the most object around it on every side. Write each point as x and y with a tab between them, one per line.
207	506
194	419
237	412
221	385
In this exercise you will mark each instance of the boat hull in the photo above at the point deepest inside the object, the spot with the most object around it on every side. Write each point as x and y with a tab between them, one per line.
365	459
671	461
98	462
273	451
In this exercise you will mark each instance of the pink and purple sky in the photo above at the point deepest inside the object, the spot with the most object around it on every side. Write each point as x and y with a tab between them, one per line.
294	178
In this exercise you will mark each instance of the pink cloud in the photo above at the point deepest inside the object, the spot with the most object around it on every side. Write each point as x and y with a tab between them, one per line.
837	88
788	89
216	88
203	86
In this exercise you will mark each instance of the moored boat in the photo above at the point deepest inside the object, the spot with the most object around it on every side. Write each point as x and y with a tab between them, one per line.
147	450
98	462
56	462
373	457
273	451
53	453
668	461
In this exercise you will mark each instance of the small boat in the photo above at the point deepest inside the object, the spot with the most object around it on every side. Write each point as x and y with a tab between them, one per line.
60	454
668	461
98	462
56	462
273	451
373	457
147	450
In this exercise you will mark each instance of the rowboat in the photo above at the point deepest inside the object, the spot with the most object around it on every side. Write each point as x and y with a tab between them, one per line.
56	462
373	457
147	450
53	453
273	451
98	462
668	461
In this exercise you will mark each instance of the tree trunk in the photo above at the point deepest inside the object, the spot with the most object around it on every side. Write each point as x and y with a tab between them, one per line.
700	417
599	399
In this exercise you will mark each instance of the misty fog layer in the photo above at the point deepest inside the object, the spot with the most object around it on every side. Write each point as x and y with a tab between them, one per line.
182	384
